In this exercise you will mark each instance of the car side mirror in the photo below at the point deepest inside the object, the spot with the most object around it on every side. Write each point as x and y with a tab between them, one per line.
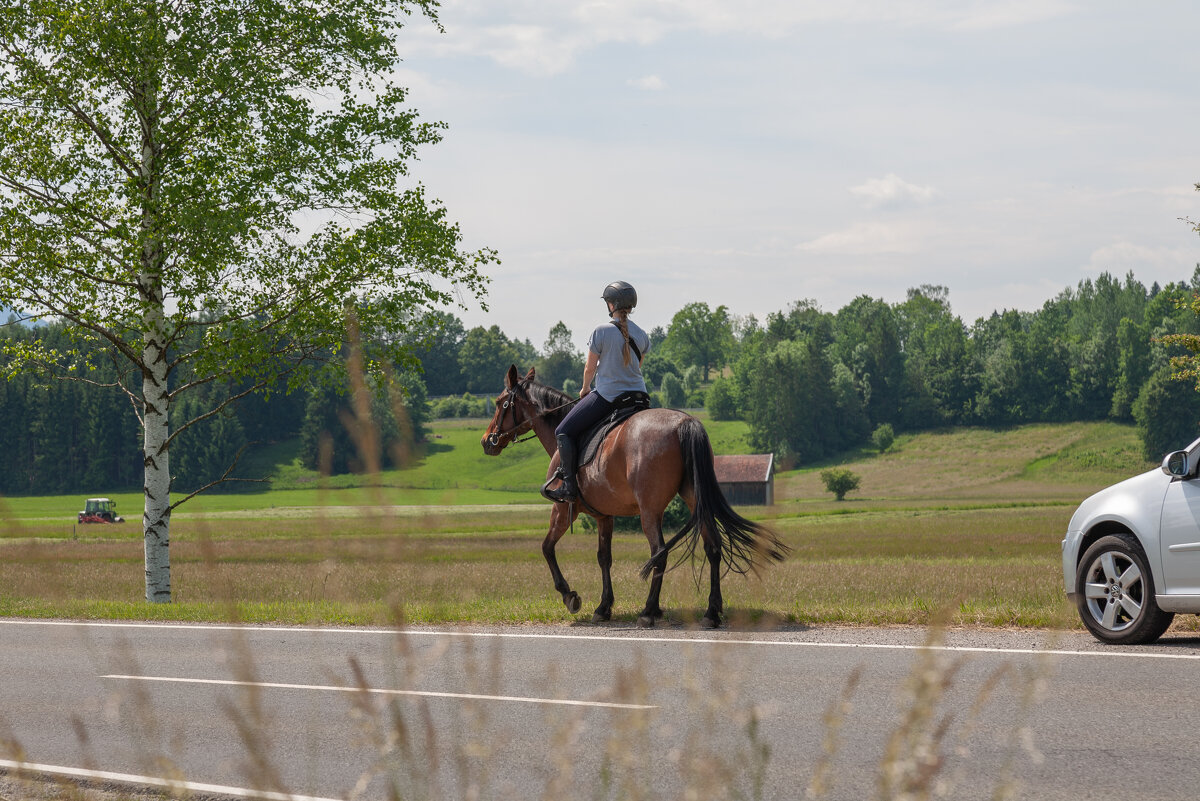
1176	464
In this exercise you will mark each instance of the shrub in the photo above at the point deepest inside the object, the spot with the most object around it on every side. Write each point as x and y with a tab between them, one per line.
720	401
655	366
446	407
883	437
1166	411
465	406
673	395
674	516
839	481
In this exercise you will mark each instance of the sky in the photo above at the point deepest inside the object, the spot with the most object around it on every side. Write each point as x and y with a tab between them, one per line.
758	153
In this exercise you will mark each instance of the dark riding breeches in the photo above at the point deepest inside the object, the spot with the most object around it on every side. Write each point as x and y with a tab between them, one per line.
590	410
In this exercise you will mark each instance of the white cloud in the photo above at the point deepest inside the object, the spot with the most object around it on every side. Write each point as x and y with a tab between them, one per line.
533	49
892	191
984	15
638	20
1019	167
649	83
545	37
1121	257
867	239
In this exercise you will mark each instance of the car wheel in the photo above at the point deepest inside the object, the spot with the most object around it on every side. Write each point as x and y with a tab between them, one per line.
1115	593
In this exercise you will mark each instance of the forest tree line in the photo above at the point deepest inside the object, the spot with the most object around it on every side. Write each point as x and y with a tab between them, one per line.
808	382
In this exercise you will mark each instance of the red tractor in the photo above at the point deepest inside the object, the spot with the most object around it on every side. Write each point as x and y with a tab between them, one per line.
100	510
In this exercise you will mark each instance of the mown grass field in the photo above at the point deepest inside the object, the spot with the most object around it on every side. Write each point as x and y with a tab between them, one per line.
964	523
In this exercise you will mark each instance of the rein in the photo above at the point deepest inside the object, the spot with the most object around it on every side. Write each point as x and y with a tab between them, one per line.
494	437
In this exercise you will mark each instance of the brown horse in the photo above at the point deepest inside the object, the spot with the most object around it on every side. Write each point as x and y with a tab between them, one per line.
641	466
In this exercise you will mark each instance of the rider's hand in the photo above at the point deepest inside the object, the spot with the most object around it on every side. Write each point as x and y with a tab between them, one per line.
584	391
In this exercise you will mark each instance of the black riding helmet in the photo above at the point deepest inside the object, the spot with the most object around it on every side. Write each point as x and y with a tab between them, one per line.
621	295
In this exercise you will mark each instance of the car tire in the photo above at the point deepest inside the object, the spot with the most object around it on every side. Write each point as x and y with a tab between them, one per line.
1114	592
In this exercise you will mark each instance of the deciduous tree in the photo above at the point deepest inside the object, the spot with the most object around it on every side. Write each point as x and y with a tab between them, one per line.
438	337
867	340
1167	412
700	336
207	187
560	359
486	353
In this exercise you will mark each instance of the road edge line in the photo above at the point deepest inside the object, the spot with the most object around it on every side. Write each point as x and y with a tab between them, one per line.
22	769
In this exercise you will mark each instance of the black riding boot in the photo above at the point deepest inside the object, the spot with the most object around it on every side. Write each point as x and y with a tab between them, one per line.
568	490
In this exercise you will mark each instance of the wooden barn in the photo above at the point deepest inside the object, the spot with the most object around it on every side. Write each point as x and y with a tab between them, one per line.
747	480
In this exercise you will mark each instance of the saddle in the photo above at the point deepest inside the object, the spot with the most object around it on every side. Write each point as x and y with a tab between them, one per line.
624	407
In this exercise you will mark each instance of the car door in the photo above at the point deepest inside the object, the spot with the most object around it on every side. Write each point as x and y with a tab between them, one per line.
1179	539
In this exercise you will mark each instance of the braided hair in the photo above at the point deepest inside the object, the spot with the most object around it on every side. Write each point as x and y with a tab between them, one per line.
621	317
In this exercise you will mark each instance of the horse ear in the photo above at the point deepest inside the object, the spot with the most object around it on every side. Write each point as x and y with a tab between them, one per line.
529	375
512	378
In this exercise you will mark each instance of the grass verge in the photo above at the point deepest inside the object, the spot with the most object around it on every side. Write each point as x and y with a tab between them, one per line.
967	521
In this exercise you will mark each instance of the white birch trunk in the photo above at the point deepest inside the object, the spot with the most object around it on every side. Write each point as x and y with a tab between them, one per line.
156	519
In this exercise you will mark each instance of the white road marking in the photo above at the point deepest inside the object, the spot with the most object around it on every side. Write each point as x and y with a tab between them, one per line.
1128	652
420	693
175	786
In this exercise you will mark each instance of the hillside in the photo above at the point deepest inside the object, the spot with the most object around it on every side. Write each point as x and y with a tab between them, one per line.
1044	463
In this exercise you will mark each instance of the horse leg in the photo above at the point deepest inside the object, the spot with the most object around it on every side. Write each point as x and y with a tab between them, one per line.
652	526
560	519
712	549
603	612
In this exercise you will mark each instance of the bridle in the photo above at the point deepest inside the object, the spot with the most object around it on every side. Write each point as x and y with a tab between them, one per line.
518	428
523	426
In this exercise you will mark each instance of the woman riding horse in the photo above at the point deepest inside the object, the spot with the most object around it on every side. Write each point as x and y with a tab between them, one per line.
611	361
641	466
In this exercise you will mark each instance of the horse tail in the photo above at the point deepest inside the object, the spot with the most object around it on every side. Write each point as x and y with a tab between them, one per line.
746	546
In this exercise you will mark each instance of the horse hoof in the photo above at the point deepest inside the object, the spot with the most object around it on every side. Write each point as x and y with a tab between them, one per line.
707	622
599	618
645	622
573	602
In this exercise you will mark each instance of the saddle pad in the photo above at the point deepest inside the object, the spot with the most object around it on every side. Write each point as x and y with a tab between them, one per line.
589	443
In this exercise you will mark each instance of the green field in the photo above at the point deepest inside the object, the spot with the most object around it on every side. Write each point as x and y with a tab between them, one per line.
964	523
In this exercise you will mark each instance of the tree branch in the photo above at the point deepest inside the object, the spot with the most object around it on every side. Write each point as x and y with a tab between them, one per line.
210	413
53	197
55	307
223	479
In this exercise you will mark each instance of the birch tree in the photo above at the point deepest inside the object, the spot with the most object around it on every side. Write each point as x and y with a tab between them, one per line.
206	189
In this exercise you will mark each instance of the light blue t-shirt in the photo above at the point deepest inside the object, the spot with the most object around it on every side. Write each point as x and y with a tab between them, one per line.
613	376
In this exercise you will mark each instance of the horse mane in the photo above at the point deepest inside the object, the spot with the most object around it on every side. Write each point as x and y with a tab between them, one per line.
546	398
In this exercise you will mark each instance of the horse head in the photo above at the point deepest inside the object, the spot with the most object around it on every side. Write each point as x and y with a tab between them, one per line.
513	416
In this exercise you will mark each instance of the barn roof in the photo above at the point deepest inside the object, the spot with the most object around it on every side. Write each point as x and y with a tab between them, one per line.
747	468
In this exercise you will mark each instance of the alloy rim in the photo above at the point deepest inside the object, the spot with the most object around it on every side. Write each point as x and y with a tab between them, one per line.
1115	591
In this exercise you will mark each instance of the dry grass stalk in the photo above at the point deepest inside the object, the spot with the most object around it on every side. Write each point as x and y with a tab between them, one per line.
834	718
914	756
365	560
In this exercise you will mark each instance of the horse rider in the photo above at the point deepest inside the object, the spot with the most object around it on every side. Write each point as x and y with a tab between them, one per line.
614	360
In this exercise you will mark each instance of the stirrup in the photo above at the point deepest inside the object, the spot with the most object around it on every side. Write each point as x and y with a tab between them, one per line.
559	494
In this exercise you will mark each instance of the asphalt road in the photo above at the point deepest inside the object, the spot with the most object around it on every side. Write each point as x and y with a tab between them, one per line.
601	711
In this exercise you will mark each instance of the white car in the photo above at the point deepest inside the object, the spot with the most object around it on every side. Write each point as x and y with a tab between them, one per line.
1131	557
